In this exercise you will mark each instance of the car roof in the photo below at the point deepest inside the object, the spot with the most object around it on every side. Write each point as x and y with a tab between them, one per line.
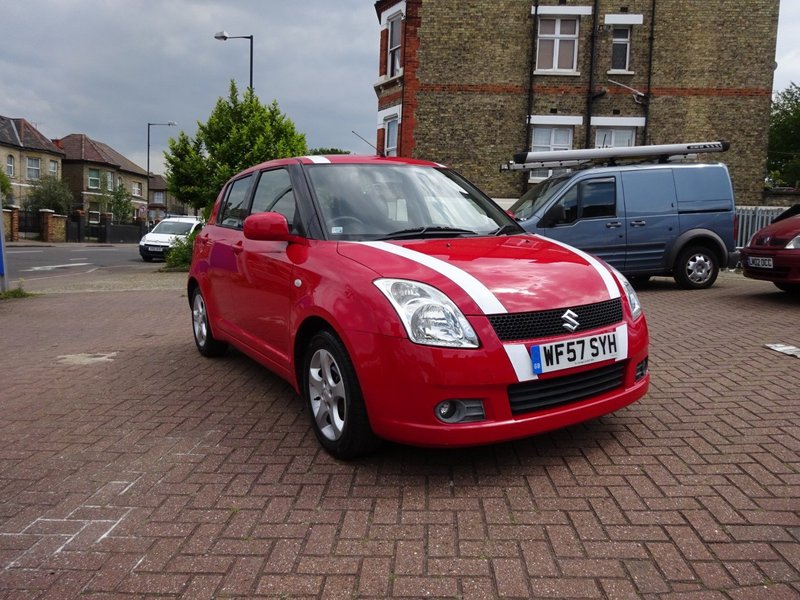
645	167
340	159
186	219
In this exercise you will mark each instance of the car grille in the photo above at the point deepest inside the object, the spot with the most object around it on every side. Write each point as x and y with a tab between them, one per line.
548	323
539	394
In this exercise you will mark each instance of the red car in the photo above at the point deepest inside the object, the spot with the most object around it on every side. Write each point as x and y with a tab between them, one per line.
773	253
402	303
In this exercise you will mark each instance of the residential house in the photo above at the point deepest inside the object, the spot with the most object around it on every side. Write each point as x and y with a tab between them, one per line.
27	156
471	83
160	203
92	169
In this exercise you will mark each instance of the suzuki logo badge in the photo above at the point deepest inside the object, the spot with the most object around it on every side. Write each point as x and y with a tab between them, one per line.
570	320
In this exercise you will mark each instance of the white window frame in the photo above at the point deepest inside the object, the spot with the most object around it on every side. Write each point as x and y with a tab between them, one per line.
610	133
10	165
391	149
539	174
120	182
394	65
109	181
94	182
53	170
619	41
158	197
557	37
136	189
37	170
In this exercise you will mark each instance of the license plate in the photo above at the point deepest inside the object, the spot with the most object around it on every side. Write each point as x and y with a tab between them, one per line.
760	261
155	248
574	353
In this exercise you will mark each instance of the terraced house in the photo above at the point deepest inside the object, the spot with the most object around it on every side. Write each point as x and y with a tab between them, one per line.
471	83
27	156
92	169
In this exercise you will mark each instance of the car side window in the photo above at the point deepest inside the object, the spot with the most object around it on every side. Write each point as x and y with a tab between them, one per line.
274	194
234	210
598	198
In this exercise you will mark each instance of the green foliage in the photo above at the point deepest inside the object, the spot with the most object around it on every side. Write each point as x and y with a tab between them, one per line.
322	151
16	292
5	186
239	133
51	193
119	202
180	254
783	155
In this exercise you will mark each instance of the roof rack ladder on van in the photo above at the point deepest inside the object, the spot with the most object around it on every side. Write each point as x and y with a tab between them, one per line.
525	161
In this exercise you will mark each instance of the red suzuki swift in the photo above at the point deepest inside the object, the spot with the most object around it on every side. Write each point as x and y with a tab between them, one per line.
402	303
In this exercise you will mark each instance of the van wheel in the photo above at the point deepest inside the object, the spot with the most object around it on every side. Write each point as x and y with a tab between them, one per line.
333	396
696	268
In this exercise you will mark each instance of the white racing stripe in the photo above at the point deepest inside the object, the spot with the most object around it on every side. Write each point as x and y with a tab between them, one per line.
521	361
320	160
482	296
605	274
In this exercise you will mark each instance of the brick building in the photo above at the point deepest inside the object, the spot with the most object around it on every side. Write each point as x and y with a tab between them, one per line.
468	83
27	156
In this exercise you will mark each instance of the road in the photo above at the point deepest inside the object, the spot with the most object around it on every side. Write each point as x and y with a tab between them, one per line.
40	266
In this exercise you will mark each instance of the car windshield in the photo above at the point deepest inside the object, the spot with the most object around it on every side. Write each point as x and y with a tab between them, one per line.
173	228
532	200
371	202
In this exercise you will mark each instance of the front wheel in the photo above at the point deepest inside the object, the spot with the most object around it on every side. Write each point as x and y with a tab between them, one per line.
697	268
333	397
206	343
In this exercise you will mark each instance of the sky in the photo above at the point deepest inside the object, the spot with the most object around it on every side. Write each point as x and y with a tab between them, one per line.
107	68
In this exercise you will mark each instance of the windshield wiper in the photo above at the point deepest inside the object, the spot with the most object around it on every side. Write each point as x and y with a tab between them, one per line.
431	231
510	229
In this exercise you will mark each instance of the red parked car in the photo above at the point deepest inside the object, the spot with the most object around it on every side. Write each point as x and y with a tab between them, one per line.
402	303
773	253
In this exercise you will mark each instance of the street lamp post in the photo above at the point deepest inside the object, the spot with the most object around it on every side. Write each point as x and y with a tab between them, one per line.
223	35
149	125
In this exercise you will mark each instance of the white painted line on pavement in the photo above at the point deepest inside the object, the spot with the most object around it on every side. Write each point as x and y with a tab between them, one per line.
53	267
23	251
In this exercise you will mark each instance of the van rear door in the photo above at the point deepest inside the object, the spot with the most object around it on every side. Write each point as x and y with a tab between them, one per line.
651	219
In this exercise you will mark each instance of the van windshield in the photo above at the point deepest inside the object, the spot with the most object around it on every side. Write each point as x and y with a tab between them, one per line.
532	200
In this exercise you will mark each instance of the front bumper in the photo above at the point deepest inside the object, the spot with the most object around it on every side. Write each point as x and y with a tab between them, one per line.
785	265
402	384
153	250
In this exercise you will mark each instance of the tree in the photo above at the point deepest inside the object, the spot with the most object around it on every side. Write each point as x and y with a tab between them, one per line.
320	151
5	186
239	133
783	155
51	193
119	203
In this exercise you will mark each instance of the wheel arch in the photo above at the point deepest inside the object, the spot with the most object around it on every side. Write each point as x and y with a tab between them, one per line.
697	237
307	330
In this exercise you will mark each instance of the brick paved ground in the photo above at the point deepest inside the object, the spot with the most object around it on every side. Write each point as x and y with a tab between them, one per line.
139	469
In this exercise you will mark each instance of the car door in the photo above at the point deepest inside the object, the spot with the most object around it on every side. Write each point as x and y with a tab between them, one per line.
225	241
651	218
591	219
264	291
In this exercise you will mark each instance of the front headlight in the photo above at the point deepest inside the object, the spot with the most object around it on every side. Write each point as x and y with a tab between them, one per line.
428	315
794	244
633	298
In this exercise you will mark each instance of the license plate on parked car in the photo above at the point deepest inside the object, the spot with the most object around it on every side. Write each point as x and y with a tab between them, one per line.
576	352
760	262
155	248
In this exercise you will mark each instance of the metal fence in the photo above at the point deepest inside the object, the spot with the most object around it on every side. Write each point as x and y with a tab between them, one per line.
753	218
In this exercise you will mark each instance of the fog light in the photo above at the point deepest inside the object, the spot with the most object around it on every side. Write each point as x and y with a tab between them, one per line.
460	411
641	370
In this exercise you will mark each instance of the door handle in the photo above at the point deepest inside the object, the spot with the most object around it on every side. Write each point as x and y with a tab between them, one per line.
639	223
613	225
237	247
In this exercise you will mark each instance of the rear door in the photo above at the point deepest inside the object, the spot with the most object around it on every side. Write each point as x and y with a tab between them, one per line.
591	219
651	219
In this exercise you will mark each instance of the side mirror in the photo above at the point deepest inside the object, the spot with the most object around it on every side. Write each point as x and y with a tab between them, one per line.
267	227
554	215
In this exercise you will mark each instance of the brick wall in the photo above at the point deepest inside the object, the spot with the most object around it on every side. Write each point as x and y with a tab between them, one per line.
465	88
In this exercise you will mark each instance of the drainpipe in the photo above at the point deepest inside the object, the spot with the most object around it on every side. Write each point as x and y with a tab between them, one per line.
531	67
590	92
649	72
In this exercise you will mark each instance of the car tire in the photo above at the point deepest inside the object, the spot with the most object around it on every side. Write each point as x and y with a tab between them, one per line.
791	288
206	343
333	397
697	268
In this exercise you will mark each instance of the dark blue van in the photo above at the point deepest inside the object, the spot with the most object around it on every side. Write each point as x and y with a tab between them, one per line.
645	220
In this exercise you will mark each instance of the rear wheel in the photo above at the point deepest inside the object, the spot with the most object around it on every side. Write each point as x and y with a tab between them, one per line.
206	343
333	396
697	268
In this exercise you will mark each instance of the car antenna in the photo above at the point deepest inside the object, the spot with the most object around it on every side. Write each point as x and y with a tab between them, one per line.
378	152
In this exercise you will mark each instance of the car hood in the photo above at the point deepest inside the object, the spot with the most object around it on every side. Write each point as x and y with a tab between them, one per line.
159	238
782	230
492	275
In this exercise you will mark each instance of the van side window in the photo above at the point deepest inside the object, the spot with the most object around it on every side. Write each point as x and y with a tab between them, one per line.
234	210
590	199
274	194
